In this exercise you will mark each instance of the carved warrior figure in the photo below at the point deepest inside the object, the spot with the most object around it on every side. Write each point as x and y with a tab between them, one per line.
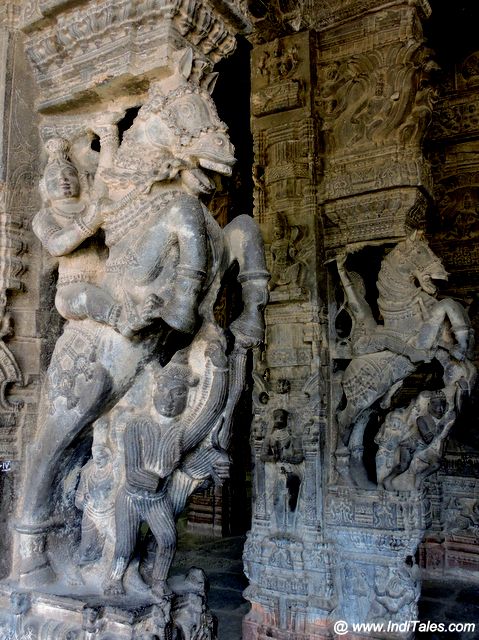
155	447
166	260
62	224
282	448
411	441
95	496
285	269
416	328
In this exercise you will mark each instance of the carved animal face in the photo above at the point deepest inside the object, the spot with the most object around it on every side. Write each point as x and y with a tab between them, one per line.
188	123
425	265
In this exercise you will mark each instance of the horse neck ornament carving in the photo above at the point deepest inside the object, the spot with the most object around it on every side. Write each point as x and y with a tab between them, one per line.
416	328
156	290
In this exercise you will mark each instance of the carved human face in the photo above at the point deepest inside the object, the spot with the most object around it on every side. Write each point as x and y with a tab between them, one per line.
278	231
280	419
437	406
61	181
101	456
170	396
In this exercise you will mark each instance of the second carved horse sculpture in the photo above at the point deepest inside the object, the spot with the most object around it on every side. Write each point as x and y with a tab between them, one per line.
416	325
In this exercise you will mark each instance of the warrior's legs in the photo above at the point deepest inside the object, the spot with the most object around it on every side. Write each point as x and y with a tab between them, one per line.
180	487
92	541
161	520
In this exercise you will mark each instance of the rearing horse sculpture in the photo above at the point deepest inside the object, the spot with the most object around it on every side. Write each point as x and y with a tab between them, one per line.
167	257
415	325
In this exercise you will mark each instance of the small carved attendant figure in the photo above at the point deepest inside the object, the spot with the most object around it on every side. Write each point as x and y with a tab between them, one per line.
285	270
411	440
397	591
65	222
95	497
434	428
152	452
466	521
284	449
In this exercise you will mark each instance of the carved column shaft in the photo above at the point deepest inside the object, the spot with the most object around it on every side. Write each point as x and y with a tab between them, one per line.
355	119
20	347
286	558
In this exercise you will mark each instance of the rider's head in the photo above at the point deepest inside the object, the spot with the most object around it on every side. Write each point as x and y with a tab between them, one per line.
101	455
60	178
100	450
280	419
280	227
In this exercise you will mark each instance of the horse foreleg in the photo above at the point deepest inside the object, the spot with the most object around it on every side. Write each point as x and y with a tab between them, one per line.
429	334
245	246
356	448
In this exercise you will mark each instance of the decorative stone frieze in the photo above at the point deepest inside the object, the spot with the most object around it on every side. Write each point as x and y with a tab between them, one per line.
83	51
375	97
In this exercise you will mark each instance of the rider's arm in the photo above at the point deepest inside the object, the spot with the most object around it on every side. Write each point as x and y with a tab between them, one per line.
60	241
355	301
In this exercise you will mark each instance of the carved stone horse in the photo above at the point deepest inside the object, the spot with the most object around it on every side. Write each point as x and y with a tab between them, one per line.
148	232
416	324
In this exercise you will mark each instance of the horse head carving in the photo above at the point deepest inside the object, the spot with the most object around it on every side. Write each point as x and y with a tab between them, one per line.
179	120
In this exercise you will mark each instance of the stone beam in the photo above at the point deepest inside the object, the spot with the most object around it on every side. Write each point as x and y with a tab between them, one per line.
84	51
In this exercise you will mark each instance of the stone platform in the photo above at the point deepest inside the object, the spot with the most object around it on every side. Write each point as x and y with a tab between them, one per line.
40	615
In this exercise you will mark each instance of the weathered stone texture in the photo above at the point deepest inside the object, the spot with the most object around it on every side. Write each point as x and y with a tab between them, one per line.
119	404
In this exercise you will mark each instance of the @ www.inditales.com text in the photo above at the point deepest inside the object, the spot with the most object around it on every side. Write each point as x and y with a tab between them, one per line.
341	627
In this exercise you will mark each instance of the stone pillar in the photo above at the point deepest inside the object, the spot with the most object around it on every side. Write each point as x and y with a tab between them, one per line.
340	110
125	113
20	263
452	545
375	97
287	558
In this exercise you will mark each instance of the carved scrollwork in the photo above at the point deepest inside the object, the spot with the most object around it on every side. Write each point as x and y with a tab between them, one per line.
366	100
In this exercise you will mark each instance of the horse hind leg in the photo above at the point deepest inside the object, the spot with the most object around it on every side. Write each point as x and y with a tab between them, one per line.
58	430
346	423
